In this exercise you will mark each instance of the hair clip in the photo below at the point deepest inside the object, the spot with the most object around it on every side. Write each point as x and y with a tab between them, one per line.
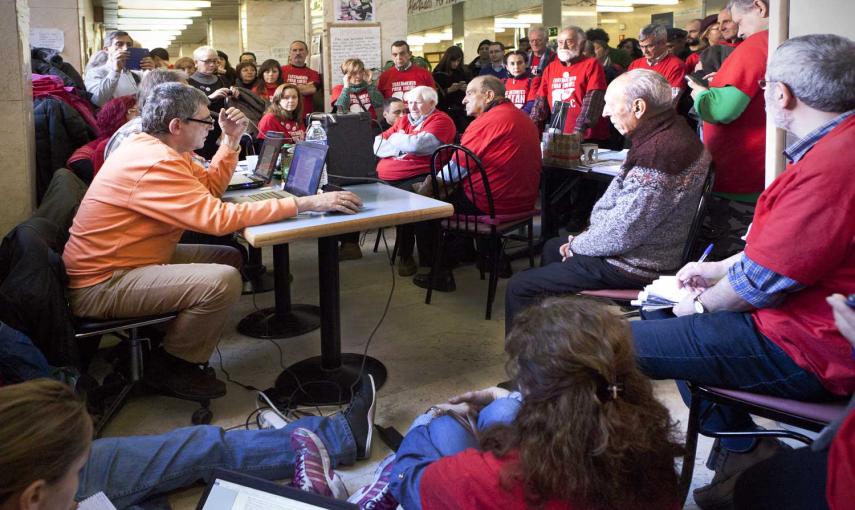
613	390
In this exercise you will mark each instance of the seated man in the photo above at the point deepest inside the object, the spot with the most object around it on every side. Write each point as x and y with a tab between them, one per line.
123	259
405	152
507	143
111	78
393	109
758	321
639	227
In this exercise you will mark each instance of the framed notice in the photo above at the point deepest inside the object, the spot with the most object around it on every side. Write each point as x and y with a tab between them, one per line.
353	41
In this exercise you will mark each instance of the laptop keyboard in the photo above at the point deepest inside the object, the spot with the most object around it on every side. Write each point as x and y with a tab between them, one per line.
266	195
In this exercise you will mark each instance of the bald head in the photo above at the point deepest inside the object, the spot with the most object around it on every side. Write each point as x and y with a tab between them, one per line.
480	92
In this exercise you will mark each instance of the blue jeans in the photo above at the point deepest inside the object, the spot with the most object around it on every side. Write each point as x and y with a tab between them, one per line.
133	470
20	360
722	349
430	440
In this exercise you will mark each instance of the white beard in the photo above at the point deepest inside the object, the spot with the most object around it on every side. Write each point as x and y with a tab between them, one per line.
567	55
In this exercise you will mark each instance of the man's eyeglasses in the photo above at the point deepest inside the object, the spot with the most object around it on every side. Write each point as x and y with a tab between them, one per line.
201	121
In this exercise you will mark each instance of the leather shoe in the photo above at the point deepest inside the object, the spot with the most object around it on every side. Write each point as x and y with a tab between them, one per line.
349	251
182	379
444	281
407	266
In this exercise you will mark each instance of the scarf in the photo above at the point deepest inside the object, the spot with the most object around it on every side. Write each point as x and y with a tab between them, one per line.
417	122
663	141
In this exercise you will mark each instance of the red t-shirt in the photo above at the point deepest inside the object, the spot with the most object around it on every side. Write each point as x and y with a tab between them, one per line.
302	76
739	148
395	83
691	61
508	145
358	102
293	129
266	90
471	480
438	123
522	90
840	485
803	228
671	67
569	84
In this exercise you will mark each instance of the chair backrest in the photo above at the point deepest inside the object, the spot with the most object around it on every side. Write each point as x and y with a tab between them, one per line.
465	170
698	218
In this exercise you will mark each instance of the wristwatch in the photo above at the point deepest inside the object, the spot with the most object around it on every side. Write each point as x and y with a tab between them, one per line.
699	306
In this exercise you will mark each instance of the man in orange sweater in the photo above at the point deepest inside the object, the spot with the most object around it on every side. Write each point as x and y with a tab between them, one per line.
123	257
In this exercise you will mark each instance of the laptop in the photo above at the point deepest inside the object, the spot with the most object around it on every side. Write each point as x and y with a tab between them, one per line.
263	172
228	490
304	175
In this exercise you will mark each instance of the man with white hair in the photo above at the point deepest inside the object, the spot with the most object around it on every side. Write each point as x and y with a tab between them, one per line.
540	55
639	227
577	80
405	150
653	40
759	321
112	78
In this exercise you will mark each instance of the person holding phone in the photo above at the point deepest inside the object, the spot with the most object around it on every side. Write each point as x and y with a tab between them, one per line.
451	76
111	77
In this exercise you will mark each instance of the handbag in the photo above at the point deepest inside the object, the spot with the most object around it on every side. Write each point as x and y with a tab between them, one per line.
561	150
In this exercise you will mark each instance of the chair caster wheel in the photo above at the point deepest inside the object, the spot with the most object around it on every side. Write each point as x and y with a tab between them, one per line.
202	416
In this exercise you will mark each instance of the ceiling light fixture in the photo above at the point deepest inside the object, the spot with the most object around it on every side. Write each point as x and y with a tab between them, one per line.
609	8
164	4
153	13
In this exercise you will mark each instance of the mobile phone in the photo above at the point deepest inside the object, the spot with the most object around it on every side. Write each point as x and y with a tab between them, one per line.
135	56
691	78
851	301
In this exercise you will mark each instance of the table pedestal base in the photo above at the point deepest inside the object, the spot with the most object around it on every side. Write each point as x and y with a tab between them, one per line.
326	387
267	323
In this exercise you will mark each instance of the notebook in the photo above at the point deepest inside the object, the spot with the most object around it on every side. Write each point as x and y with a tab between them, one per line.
664	292
304	176
228	490
263	172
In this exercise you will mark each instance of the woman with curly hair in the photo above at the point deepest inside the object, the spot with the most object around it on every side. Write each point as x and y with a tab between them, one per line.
284	114
583	432
87	160
270	77
247	75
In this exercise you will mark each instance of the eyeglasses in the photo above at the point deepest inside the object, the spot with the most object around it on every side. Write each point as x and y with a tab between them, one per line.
210	123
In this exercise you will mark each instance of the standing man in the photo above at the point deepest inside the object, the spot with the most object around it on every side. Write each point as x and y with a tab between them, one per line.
577	80
735	125
693	34
497	62
611	55
728	27
113	79
213	85
403	76
307	80
653	40
540	56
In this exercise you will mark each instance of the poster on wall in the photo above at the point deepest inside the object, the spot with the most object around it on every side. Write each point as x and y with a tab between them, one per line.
355	10
353	42
53	38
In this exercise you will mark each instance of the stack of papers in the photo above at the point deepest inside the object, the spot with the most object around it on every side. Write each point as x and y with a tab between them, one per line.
664	292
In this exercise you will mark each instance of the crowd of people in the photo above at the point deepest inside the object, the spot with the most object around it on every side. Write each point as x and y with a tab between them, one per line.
580	427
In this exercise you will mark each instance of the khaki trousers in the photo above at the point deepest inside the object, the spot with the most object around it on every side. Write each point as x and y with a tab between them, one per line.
201	283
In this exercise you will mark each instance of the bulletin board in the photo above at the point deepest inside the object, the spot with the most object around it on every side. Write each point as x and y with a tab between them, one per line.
353	41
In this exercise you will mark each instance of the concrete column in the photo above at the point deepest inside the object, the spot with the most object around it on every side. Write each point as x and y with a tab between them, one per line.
552	13
61	14
269	28
16	109
476	31
224	35
458	33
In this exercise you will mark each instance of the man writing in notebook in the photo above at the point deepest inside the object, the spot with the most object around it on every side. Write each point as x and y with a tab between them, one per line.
758	321
123	258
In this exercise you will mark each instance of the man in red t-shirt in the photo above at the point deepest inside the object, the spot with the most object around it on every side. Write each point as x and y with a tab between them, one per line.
800	249
653	40
508	145
577	80
298	73
404	75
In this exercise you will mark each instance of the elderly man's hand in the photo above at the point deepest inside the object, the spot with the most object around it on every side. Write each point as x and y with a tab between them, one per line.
233	122
146	64
699	276
687	305
844	316
339	201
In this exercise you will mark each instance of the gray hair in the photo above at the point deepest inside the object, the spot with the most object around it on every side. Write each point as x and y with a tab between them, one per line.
489	82
170	101
743	5
648	85
201	51
154	78
818	69
537	29
580	34
422	92
112	36
654	30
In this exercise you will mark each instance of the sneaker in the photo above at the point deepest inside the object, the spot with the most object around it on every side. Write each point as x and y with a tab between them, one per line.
349	251
313	470
182	379
360	415
376	495
444	281
728	465
407	266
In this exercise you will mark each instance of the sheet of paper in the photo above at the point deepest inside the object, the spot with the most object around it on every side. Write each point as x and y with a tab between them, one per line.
97	501
52	38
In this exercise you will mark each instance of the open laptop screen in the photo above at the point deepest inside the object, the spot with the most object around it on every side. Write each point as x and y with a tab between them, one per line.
234	491
306	168
267	159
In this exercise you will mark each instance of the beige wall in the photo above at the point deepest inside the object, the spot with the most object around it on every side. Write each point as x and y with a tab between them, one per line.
16	122
224	35
270	27
61	14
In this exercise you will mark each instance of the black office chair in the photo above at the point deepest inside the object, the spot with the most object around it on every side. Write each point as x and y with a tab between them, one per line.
491	229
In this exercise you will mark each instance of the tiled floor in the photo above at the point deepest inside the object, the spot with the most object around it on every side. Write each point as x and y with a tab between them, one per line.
431	352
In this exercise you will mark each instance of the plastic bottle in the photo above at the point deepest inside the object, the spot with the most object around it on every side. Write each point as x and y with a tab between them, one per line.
317	134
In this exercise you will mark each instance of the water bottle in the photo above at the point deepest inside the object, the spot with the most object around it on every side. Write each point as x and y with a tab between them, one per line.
317	134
